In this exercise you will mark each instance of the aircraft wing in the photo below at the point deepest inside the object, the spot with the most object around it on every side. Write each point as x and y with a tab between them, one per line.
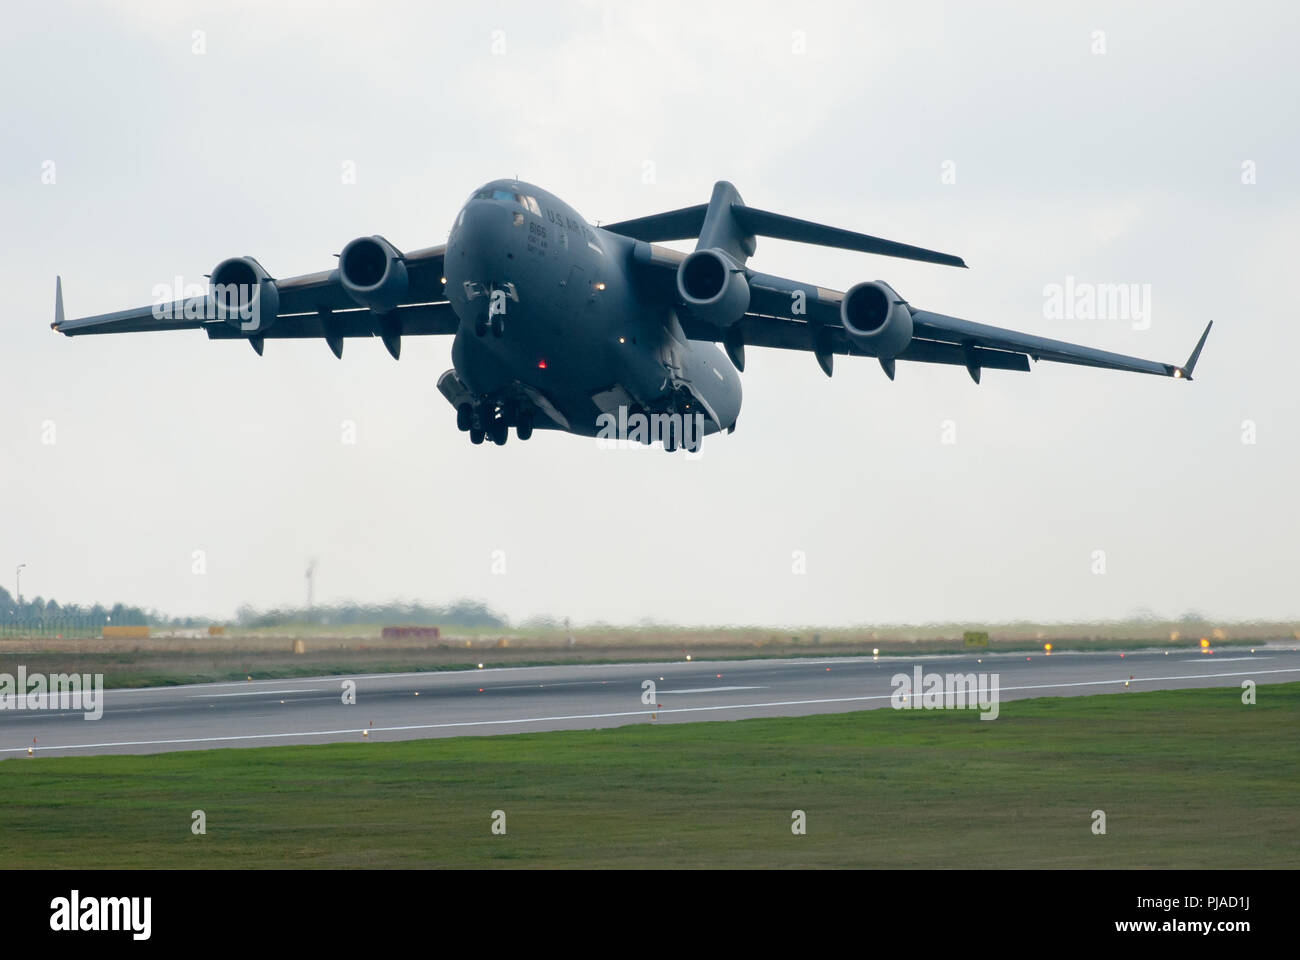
315	305
798	316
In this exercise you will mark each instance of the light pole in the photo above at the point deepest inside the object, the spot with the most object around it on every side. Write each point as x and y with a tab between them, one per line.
311	577
18	583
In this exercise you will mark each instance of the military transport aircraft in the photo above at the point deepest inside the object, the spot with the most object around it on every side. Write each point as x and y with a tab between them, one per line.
562	325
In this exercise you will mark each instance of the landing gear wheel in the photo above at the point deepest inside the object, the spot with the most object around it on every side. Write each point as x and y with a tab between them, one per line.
480	326
524	426
476	435
464	417
500	432
498	326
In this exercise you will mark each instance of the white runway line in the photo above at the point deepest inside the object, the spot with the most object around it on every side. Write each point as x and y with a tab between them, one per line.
253	693
605	716
884	660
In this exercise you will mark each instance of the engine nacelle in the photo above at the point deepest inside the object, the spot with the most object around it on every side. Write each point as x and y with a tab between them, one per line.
876	319
244	295
373	273
714	287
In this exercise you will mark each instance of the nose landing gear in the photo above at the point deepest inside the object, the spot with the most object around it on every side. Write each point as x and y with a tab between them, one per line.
496	323
493	316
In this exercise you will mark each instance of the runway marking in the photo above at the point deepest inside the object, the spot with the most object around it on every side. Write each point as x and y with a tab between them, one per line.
706	690
602	716
1225	659
253	693
863	659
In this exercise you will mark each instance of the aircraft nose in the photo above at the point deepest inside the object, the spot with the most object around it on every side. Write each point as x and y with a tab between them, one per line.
483	236
481	215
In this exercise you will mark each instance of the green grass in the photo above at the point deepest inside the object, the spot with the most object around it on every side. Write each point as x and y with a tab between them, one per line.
1187	779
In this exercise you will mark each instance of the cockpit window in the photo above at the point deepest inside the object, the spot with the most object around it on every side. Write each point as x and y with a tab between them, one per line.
525	201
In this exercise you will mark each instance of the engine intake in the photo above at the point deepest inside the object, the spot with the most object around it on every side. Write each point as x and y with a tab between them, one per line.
244	295
876	319
373	273
714	287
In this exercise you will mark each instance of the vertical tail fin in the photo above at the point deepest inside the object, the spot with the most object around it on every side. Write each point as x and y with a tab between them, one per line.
721	228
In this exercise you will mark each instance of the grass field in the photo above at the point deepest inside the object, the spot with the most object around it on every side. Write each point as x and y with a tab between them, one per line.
1186	778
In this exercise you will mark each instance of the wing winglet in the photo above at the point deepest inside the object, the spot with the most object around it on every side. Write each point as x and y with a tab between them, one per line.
58	303
1196	354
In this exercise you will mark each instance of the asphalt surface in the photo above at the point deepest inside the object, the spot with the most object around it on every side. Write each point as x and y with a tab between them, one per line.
525	699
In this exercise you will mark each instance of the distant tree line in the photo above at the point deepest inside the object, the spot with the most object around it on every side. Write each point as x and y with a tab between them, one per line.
38	615
460	613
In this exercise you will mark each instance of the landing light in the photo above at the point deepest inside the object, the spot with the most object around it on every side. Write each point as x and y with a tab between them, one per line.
622	340
443	281
600	286
1178	373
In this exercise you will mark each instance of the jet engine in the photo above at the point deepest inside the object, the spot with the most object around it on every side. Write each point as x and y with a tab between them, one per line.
876	319
244	295
713	287
373	273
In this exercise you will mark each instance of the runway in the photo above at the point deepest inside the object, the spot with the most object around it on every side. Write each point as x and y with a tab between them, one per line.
529	699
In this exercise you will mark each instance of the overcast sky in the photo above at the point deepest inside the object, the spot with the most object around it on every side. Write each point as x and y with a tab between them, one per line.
1040	142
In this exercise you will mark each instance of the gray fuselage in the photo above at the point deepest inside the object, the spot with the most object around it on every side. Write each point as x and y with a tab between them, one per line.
579	328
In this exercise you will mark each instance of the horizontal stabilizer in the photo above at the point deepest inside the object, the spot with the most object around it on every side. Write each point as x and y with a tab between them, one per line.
683	224
780	227
688	222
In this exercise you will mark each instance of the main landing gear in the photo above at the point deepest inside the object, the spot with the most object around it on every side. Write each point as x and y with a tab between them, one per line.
493	421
